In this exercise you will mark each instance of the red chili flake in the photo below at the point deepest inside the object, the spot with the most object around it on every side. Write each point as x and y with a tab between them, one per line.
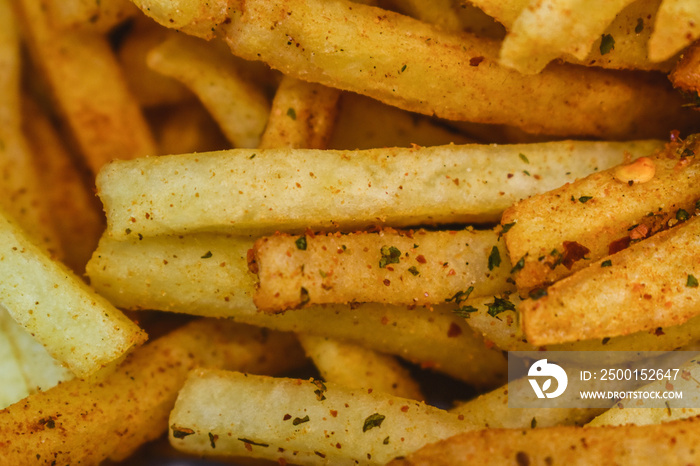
421	259
573	252
619	245
454	330
387	282
475	61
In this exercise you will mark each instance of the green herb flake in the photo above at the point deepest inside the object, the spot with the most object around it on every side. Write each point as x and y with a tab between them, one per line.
533	423
607	44
499	305
181	432
606	263
252	157
301	243
523	157
461	296
259	444
505	228
212	439
640	26
372	421
207	255
465	311
414	271
321	389
390	255
537	293
403	68
128	231
300	420
291	113
494	258
584	199
518	265
527	172
682	215
692	282
386	441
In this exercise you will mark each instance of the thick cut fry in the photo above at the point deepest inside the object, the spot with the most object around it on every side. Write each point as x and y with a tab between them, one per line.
185	128
417	67
191	17
499	323
91	15
388	127
88	421
686	74
545	30
673	443
390	267
89	87
649	285
78	327
302	116
354	366
677	25
301	421
239	106
208	275
260	192
556	233
75	213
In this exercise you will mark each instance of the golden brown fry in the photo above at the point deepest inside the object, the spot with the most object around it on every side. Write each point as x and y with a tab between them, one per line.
417	67
686	73
76	216
87	421
90	15
208	275
441	13
237	104
354	366
390	267
677	25
649	285
191	17
89	88
302	116
675	442
559	232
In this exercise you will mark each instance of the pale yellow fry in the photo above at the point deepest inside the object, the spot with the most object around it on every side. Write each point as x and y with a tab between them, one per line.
649	285
354	366
78	327
238	105
92	15
504	331
411	268
234	414
191	17
260	192
13	386
677	25
547	29
505	12
388	127
89	87
89	421
417	67
75	214
672	444
178	274
556	233
302	116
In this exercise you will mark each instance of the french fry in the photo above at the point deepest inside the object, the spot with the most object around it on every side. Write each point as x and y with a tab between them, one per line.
685	74
440	13
196	18
76	216
388	127
78	327
499	322
417	56
186	127
89	88
302	116
301	421
88	421
239	106
13	387
676	27
149	87
89	15
557	233
393	267
354	366
649	285
177	274
675	442
431	185
545	30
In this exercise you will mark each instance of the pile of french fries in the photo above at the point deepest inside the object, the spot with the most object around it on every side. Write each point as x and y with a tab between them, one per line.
308	213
